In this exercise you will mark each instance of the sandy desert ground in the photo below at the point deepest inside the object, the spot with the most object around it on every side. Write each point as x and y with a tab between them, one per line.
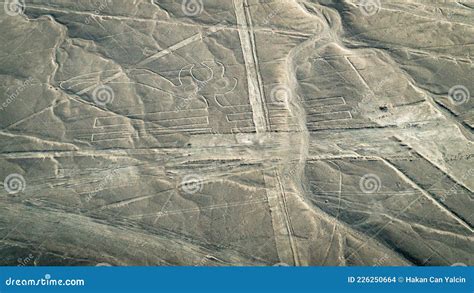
236	132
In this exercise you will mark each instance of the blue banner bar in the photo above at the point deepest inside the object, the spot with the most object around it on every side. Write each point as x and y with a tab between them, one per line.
237	279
